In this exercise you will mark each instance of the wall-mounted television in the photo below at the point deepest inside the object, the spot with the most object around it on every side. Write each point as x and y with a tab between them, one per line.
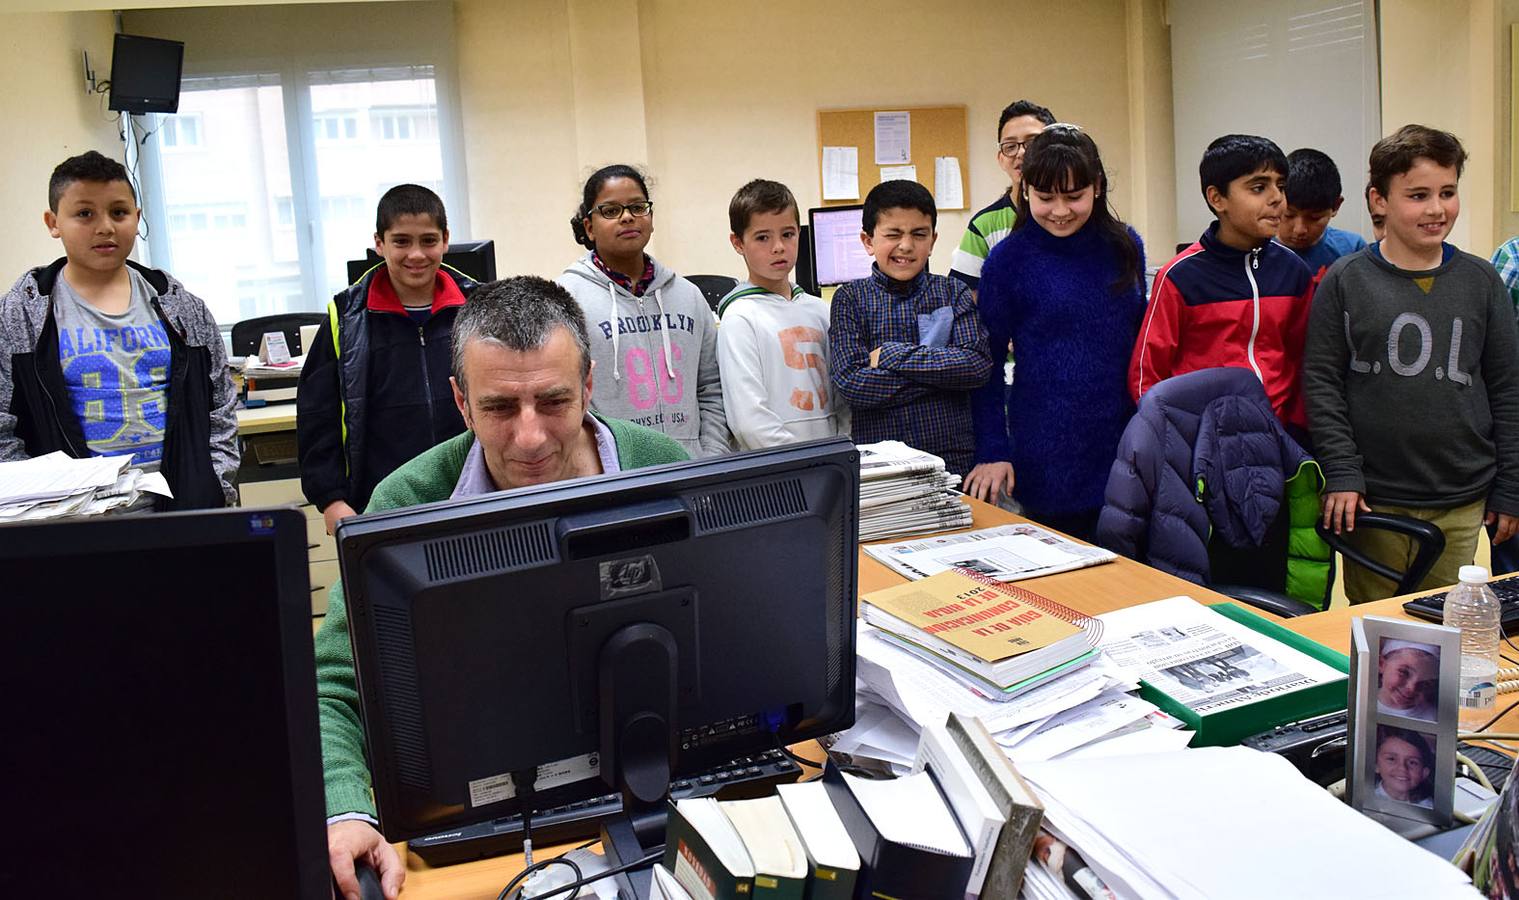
145	74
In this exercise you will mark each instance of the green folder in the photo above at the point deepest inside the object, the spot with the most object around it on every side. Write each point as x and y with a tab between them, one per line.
1229	726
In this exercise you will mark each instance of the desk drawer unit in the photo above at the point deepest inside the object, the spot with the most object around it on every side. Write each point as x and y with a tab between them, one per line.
321	551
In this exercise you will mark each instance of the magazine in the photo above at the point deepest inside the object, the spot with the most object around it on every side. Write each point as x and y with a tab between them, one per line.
1204	660
1004	553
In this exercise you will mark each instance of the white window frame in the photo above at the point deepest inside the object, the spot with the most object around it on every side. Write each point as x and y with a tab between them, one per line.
301	142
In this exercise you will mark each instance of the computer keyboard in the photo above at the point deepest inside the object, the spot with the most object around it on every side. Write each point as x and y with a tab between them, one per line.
1432	606
748	776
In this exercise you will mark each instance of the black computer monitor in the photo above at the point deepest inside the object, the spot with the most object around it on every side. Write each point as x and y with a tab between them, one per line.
838	256
477	259
606	633
160	733
145	74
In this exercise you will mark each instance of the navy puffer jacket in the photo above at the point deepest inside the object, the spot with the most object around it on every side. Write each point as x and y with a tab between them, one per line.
1203	452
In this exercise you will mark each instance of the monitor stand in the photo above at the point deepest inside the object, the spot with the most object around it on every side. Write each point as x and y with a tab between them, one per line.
638	671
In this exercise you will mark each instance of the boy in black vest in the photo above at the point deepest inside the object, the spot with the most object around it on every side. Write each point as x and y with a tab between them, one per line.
374	391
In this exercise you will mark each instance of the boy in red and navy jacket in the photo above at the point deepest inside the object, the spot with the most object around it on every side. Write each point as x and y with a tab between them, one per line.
1235	297
375	388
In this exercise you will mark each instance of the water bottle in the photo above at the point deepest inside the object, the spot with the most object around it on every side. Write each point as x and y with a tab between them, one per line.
1473	607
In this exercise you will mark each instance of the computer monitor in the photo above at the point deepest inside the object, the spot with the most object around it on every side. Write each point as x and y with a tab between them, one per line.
160	733
610	633
145	74
477	259
838	256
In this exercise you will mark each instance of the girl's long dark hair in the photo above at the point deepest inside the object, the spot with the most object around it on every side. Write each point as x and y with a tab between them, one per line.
1064	158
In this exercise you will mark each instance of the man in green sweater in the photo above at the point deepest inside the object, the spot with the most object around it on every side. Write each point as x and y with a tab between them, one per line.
1411	373
522	381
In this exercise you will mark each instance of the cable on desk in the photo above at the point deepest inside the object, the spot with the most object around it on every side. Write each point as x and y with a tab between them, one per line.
1475	772
1490	722
579	883
799	760
522	876
1487	736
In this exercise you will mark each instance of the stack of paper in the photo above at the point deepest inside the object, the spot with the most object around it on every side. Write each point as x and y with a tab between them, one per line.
1088	710
1003	553
906	491
57	485
1224	822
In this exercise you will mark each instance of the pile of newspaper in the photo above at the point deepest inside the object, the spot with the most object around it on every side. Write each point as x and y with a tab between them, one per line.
906	491
57	485
1199	658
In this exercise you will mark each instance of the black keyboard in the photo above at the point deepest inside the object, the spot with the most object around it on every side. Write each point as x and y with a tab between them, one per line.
748	776
1432	606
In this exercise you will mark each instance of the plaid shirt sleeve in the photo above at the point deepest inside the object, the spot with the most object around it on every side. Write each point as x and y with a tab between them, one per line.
1506	261
849	358
962	364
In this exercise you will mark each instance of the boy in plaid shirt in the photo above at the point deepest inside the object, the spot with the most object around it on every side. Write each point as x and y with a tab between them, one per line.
908	347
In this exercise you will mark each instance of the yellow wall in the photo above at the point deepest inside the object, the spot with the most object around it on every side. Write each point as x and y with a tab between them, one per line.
1444	64
554	88
48	118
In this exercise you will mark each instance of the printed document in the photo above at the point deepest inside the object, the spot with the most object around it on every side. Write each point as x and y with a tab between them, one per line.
1005	553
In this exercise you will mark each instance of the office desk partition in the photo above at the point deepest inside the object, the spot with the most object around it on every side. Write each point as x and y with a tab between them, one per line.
1093	590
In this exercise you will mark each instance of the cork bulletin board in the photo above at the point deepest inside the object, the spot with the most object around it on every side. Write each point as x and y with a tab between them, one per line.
936	131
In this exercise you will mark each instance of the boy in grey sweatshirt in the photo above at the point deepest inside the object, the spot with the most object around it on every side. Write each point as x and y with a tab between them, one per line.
1410	372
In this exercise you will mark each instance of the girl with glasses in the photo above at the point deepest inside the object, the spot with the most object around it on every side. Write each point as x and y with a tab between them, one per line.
653	336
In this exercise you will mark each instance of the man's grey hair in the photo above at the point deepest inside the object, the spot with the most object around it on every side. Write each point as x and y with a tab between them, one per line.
520	314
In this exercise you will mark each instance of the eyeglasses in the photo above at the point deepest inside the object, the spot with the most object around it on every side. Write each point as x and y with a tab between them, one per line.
1013	148
638	209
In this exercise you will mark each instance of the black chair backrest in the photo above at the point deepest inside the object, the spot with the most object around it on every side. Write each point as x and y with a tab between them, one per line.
247	334
1427	535
713	287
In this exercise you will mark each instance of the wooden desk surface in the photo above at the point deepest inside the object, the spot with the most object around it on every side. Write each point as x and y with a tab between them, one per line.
1094	590
264	419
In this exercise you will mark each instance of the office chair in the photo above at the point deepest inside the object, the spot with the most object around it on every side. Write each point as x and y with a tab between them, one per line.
247	334
1208	486
1427	536
713	287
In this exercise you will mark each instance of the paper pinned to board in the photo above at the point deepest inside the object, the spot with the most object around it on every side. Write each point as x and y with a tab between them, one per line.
948	191
841	173
899	173
893	138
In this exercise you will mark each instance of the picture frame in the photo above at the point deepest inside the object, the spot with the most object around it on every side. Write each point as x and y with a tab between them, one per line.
1403	715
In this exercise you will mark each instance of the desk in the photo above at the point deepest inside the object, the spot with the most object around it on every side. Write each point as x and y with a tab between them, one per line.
266	419
1095	590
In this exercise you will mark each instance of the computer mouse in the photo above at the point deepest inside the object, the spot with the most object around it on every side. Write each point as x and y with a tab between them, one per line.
369	881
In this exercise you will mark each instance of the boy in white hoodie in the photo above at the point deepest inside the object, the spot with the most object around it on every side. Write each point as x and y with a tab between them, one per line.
653	336
772	347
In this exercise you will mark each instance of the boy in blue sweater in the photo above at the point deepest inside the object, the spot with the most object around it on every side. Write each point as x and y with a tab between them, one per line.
1313	198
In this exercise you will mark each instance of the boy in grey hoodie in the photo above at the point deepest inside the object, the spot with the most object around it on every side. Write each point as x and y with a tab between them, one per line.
653	338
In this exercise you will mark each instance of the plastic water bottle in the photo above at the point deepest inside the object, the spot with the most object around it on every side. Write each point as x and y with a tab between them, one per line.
1473	607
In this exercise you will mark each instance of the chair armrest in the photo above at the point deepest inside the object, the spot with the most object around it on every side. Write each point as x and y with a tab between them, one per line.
1270	601
1426	535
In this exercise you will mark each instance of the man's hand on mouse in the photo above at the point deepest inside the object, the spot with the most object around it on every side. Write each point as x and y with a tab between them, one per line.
352	839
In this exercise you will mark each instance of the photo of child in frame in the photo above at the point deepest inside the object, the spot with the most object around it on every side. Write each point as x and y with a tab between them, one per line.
1405	766
1408	679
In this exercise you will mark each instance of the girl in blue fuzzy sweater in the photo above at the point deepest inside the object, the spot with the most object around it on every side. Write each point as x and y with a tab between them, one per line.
1067	288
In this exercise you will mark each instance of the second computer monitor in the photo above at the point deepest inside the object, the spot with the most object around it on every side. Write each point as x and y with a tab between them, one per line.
636	627
838	255
477	259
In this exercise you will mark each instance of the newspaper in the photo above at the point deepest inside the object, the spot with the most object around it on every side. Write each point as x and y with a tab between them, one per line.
887	458
1204	660
1006	553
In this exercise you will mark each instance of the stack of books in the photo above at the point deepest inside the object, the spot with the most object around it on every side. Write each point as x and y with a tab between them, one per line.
906	491
960	825
998	639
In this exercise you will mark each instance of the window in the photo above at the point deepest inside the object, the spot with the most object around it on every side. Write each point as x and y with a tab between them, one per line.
180	131
266	216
